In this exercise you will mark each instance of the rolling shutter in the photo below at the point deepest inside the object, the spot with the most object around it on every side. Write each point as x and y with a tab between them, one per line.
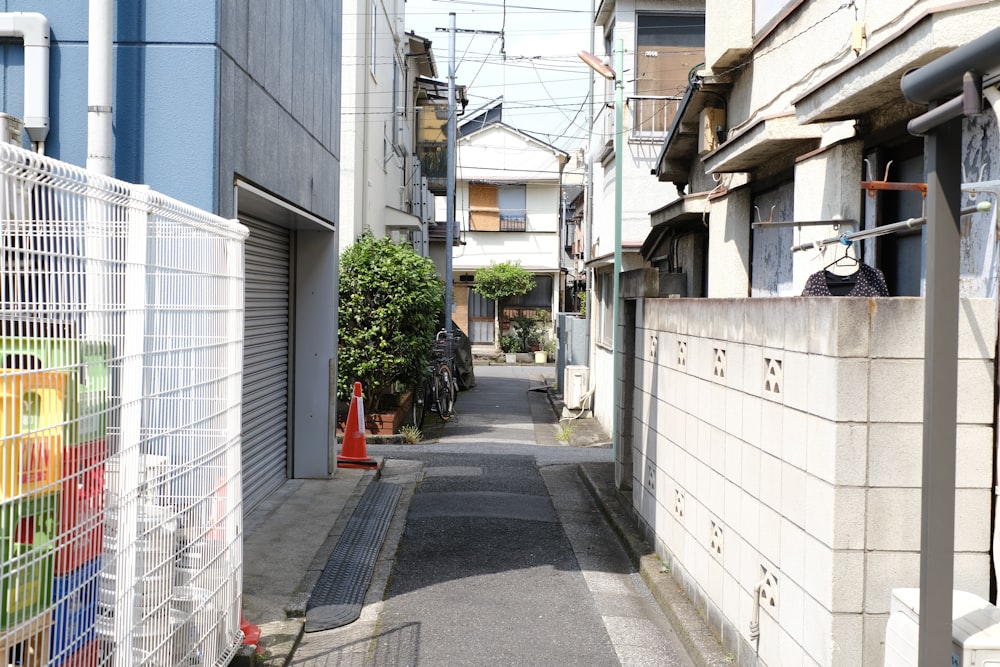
266	360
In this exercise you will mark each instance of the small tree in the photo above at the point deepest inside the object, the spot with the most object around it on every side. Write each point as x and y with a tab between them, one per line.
390	302
499	282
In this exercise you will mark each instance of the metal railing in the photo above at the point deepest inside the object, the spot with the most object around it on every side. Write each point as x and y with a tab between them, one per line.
652	116
121	328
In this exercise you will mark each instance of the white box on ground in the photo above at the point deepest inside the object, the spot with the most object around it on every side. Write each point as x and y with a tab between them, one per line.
575	386
975	630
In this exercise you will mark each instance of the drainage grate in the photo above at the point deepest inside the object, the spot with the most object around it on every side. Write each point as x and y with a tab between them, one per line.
340	592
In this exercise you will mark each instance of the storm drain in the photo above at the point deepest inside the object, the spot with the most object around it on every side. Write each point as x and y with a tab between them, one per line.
340	592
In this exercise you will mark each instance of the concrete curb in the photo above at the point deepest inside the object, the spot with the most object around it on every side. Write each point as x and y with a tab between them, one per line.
700	642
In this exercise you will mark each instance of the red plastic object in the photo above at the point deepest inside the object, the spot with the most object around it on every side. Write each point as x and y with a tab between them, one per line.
81	520
251	633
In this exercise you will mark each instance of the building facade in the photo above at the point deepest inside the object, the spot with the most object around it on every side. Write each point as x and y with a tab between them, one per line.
775	442
251	130
383	187
509	207
663	40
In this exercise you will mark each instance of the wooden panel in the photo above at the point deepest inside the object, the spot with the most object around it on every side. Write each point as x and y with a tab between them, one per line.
484	212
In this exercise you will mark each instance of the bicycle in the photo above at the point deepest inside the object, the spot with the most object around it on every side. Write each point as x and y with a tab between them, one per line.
438	388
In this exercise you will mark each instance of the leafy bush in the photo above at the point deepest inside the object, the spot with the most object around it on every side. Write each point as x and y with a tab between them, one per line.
510	344
502	281
390	302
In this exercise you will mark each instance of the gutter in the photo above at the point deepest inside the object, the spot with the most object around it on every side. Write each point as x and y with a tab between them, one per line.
33	29
692	88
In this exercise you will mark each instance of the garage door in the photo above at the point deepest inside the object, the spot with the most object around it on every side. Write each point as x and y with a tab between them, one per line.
265	360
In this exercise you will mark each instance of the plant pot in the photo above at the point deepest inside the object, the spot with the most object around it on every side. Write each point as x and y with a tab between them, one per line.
510	357
541	356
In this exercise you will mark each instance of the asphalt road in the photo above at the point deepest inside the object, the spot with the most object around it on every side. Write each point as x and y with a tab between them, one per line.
502	557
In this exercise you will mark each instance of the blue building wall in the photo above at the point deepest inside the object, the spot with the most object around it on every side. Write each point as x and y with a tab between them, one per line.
205	91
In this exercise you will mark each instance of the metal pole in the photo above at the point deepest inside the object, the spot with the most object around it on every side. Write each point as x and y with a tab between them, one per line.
588	221
937	530
450	194
616	281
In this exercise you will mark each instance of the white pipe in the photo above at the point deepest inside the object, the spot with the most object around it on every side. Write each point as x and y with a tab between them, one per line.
99	87
33	28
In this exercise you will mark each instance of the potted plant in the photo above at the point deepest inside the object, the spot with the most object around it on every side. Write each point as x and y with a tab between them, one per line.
510	345
550	348
528	330
390	301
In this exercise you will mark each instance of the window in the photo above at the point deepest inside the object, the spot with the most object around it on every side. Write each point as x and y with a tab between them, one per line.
495	208
900	255
605	308
668	46
540	295
766	13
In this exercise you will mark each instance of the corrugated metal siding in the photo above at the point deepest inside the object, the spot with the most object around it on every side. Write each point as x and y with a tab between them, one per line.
266	360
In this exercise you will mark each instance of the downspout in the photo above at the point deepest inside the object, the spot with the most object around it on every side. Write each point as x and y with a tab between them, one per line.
33	28
99	87
992	95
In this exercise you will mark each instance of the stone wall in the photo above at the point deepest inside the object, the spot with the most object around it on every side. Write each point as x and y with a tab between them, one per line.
778	442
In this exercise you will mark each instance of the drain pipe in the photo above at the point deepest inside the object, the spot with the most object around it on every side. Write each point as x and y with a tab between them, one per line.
33	29
99	87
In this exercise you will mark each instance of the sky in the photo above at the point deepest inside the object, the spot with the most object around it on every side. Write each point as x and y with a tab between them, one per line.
534	66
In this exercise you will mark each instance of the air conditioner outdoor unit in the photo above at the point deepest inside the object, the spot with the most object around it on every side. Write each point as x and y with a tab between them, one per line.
975	630
576	381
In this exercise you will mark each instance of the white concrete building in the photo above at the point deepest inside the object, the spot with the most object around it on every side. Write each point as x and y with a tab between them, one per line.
508	207
663	40
773	443
383	188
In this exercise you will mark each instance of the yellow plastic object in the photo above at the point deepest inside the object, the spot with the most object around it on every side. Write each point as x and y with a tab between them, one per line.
33	414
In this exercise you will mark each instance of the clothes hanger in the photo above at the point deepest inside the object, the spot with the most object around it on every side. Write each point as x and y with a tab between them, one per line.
846	260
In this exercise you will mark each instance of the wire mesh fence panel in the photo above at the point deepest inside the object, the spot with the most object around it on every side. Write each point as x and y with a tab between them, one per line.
121	329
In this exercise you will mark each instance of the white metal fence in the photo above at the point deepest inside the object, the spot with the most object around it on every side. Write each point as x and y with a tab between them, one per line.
121	328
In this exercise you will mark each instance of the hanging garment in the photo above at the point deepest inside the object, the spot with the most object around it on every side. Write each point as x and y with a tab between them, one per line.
866	281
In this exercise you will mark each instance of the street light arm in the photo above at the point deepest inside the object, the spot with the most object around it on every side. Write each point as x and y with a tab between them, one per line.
596	64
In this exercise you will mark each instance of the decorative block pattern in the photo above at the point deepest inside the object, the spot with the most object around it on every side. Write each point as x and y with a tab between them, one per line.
682	353
768	588
715	543
773	378
719	366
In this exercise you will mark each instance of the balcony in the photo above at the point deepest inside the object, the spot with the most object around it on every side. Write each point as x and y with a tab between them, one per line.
651	117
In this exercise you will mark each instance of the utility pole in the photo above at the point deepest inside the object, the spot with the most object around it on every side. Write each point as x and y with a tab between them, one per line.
450	191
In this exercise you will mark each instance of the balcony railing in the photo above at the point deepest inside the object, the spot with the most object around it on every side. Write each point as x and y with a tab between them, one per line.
651	116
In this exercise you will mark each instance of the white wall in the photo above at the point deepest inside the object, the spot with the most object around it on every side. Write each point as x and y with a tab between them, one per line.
369	181
785	435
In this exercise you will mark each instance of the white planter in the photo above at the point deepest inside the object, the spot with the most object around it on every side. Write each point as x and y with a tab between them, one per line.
511	357
541	357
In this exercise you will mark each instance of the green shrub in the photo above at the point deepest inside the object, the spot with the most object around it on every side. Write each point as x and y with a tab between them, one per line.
390	304
510	344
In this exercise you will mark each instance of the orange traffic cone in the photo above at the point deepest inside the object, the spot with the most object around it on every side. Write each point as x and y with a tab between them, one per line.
352	453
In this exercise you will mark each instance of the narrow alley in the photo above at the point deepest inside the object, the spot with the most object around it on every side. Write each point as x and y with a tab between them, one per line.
497	553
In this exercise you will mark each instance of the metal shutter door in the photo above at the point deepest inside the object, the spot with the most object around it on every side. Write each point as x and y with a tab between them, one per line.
265	361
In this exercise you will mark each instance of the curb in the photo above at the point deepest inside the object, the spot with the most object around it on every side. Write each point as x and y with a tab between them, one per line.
702	645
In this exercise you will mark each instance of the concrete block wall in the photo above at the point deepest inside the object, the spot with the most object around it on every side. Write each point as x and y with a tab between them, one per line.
778	442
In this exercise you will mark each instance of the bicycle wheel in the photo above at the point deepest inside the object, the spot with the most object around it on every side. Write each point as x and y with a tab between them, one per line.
419	404
445	387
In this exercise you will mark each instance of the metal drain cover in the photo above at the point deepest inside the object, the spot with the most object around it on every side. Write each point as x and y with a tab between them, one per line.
340	592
